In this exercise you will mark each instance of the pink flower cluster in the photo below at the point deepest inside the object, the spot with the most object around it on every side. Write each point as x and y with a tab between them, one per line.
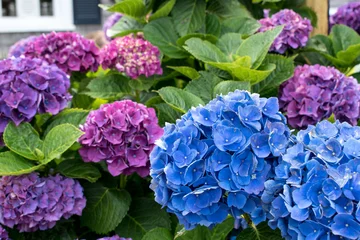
70	51
133	56
123	134
315	92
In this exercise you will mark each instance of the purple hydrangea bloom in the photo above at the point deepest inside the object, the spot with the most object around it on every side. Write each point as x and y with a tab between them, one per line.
315	92
32	203
315	193
133	56
115	237
215	159
20	47
109	23
123	134
295	34
349	15
3	234
28	87
70	51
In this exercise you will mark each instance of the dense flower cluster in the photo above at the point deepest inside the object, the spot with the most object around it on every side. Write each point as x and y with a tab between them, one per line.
109	23
349	15
115	237
215	159
3	234
316	191
315	92
68	50
295	34
123	134
28	87
33	203
133	56
20	47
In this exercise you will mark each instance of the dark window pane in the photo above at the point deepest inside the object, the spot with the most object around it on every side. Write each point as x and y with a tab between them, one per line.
46	8
8	8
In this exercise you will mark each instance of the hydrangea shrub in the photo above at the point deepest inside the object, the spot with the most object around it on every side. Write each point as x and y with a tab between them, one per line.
122	134
115	237
215	159
315	193
20	47
316	92
347	14
3	233
31	203
109	23
295	34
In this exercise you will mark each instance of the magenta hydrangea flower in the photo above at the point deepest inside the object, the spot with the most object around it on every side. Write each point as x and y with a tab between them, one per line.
30	202
28	87
349	15
69	51
3	234
315	92
109	23
123	134
133	56
295	34
19	47
115	237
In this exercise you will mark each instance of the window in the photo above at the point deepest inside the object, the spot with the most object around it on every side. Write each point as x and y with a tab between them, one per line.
8	8
46	8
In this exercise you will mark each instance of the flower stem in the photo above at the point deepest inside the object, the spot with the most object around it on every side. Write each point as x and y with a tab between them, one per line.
137	96
123	180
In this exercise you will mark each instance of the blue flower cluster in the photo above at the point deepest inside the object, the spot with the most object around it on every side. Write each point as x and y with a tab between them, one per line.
316	191
215	159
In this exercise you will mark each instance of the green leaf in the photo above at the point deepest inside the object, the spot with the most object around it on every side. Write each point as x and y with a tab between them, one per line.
163	10
208	37
161	33
73	116
257	46
158	233
252	75
260	232
350	54
200	232
189	16
222	230
230	86
131	8
186	71
144	215
229	43
125	26
212	25
14	165
205	51
240	24
23	140
105	208
227	8
166	113
203	87
343	37
76	168
111	86
59	139
179	99
284	70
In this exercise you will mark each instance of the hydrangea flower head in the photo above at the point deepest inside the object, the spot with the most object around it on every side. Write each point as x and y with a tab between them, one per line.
133	56
349	15
315	193
28	87
20	47
315	92
123	134
70	51
3	233
215	159
31	203
109	23
115	237
295	34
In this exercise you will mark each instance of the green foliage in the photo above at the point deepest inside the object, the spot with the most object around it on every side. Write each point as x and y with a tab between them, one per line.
105	207
260	232
77	168
12	164
158	233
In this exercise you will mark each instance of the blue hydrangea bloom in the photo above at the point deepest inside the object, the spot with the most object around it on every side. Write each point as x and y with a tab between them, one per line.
315	193
215	160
